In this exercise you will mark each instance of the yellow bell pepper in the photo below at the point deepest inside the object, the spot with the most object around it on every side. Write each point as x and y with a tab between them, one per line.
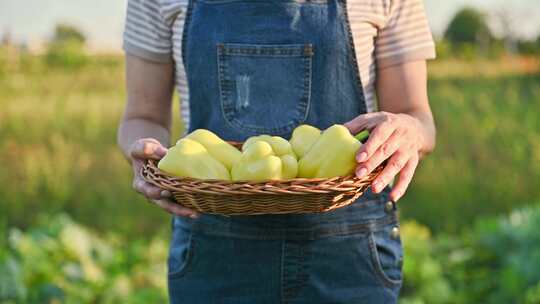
189	158
303	137
279	145
289	166
333	154
258	163
217	147
281	148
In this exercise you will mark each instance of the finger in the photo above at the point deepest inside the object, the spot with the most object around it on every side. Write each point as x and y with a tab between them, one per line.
387	149
148	190
378	136
361	122
137	164
148	148
175	208
405	177
394	166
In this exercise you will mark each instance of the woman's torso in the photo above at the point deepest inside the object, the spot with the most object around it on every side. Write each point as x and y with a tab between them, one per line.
264	67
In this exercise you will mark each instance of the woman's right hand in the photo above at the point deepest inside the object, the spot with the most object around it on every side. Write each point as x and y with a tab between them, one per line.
141	150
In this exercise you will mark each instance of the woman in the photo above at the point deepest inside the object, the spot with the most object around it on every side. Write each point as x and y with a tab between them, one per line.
248	67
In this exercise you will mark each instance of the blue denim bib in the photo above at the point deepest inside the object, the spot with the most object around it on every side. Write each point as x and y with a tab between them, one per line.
259	66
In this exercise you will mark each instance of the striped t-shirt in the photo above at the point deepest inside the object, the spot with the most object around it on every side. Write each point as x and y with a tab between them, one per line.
385	33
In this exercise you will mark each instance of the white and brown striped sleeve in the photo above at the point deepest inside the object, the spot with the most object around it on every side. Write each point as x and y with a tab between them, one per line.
405	36
146	33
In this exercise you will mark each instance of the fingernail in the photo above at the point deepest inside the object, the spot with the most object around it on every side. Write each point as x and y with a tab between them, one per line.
193	216
396	196
161	151
361	157
165	193
376	186
360	173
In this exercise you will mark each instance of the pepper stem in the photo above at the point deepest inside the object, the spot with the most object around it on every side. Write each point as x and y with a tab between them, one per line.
362	136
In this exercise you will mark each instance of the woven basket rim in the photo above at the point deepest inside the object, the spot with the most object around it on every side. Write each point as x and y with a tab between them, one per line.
225	197
341	184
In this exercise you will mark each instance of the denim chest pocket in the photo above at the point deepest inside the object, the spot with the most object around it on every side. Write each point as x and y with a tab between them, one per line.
265	88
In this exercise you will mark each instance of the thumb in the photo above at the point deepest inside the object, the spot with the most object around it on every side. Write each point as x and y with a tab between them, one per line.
148	148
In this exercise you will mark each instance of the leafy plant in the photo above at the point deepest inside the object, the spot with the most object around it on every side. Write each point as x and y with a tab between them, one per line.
424	279
59	260
501	260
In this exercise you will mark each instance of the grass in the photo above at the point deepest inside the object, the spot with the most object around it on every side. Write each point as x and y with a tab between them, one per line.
487	159
58	146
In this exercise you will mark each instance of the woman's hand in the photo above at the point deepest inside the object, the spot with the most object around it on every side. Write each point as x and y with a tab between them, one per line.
141	150
396	137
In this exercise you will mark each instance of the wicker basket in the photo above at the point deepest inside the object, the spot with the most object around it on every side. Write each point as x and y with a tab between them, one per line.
299	195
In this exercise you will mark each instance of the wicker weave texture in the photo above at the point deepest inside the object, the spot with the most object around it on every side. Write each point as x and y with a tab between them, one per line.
299	195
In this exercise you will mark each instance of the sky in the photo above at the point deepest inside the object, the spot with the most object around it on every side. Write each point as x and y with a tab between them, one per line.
102	21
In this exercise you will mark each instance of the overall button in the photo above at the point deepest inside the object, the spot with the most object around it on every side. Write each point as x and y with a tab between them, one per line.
389	207
400	262
394	233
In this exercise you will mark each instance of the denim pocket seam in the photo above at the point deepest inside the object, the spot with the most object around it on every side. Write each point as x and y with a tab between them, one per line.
224	50
186	265
185	29
376	262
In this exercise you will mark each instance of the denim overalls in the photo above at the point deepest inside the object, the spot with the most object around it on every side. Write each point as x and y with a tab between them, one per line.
264	67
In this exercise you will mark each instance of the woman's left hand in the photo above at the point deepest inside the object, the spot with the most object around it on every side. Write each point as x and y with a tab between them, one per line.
396	137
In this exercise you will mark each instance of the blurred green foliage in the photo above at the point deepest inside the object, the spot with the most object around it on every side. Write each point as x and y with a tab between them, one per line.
58	143
496	261
65	32
469	37
487	158
468	26
424	276
66	48
58	147
60	261
530	47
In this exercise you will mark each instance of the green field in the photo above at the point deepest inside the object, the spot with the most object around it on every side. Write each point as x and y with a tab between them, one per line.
487	158
59	155
58	130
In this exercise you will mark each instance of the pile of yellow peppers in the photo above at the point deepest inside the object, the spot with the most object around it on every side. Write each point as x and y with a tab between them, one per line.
309	153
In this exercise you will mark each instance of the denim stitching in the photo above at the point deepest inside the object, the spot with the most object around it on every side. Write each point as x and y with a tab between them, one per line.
186	265
296	270
271	50
376	261
282	272
221	64
307	84
303	234
187	23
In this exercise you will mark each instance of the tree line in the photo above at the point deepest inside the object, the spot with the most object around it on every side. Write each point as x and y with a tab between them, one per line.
468	35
